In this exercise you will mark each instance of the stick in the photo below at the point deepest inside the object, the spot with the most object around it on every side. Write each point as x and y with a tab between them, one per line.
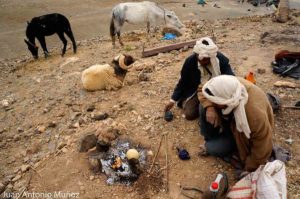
156	154
167	170
163	49
291	107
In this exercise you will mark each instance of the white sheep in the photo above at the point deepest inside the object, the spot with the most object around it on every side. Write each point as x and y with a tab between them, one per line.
107	77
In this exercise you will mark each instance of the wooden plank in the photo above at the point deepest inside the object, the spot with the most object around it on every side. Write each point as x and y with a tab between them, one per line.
168	48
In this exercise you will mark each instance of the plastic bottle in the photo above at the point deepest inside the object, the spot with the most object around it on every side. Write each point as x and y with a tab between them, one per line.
250	77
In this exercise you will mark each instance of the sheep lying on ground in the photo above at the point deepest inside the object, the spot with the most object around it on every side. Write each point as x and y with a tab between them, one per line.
107	77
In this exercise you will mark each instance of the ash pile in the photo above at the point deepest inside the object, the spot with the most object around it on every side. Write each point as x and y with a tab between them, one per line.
121	160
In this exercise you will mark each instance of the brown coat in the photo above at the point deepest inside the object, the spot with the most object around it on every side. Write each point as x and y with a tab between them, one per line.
256	150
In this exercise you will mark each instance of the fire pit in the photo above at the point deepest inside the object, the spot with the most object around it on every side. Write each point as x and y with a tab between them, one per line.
119	168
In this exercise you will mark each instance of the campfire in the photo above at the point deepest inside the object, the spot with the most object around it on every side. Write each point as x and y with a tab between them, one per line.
121	161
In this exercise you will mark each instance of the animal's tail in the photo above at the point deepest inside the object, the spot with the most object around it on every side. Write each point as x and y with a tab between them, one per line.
112	26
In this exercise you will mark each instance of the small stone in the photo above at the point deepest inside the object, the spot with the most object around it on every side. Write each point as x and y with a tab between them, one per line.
90	108
101	116
75	115
245	58
150	153
185	48
76	125
40	129
52	124
25	168
94	164
143	76
82	121
64	150
26	159
87	142
5	103
9	186
12	160
61	145
23	153
289	141
16	178
92	178
282	96
16	137
20	129
261	70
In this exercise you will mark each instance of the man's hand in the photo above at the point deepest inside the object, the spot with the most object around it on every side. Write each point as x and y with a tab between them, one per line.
212	116
169	106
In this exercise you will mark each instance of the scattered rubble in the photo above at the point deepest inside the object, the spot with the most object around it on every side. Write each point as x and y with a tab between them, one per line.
73	111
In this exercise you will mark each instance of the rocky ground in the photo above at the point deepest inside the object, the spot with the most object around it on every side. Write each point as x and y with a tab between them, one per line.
45	111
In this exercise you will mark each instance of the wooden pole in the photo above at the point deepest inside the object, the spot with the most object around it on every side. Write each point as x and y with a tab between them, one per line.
168	48
162	136
167	169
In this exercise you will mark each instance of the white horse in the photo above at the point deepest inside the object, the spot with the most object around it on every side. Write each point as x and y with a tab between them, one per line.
140	12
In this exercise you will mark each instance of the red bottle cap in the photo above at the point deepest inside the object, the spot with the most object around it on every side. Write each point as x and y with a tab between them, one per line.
214	185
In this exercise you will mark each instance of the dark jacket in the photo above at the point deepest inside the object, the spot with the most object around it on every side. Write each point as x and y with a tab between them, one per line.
191	76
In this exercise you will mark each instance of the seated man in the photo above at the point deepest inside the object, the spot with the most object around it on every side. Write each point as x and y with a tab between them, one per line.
235	115
205	59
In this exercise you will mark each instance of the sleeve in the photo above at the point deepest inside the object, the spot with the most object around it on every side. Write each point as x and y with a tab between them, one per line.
180	87
260	143
225	66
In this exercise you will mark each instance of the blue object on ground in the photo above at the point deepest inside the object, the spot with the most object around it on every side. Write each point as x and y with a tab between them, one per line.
202	2
169	36
183	154
168	116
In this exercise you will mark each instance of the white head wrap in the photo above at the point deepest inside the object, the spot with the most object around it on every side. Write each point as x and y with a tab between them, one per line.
227	90
210	50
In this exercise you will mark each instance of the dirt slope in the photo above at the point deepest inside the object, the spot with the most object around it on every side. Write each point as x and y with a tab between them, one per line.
49	91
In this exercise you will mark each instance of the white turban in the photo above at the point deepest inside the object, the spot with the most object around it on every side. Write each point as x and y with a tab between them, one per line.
228	90
210	50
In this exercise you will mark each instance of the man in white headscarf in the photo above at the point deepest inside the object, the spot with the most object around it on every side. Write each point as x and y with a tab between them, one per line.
206	61
235	115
